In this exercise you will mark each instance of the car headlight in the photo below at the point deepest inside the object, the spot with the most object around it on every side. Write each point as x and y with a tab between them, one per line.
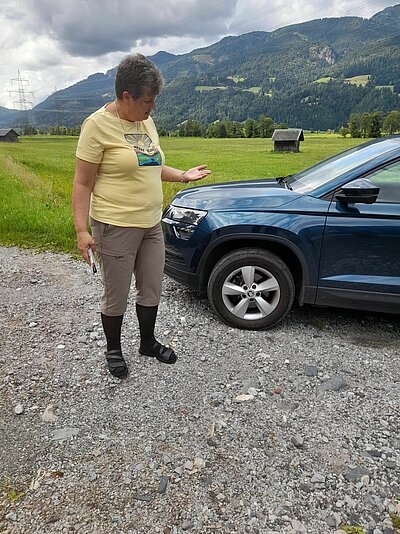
184	215
183	220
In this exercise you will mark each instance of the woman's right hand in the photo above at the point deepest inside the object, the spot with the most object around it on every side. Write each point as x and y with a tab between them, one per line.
85	174
85	241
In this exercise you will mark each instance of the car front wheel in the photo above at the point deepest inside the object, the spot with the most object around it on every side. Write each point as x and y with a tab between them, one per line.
251	289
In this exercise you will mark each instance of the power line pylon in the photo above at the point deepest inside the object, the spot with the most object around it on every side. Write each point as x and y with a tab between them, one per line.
22	104
57	108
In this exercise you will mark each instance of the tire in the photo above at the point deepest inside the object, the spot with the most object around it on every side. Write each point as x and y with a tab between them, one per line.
251	288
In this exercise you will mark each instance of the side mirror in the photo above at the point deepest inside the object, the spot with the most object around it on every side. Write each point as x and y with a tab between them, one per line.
362	190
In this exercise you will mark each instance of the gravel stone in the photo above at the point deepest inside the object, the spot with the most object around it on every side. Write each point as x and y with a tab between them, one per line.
331	521
48	416
64	433
298	441
375	453
336	383
244	398
168	448
390	464
356	474
145	498
19	409
199	463
311	370
163	484
298	526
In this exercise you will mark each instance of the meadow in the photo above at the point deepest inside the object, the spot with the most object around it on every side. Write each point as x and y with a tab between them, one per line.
36	178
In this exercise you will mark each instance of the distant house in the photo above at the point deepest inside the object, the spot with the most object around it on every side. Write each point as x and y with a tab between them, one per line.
287	140
8	136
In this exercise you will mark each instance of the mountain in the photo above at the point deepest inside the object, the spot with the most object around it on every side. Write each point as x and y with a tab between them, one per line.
8	116
310	75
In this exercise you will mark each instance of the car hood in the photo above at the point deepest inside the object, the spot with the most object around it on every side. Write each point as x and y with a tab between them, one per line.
246	195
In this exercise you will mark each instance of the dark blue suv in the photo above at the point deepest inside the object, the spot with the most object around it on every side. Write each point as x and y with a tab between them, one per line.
329	235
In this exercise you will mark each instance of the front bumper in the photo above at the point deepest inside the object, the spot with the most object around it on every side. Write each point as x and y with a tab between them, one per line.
181	256
176	270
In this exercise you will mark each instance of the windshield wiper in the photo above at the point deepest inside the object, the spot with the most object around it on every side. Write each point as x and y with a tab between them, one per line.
282	180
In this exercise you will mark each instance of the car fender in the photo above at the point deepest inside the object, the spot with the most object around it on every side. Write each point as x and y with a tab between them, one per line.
248	239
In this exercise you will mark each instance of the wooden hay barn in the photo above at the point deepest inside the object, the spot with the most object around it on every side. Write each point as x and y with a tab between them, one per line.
287	140
8	135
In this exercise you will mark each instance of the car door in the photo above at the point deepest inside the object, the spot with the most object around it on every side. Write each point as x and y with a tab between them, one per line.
360	255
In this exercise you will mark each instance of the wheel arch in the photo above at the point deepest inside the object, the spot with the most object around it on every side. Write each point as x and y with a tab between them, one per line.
289	253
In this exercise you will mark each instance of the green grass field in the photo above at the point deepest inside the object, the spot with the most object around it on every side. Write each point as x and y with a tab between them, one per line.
36	178
256	90
202	88
362	79
326	79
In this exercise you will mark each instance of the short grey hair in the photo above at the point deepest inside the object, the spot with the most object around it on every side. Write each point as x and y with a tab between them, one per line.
137	75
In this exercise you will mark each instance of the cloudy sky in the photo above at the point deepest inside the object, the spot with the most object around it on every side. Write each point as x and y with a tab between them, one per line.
54	44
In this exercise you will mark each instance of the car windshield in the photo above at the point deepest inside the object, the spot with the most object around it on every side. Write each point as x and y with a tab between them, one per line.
309	179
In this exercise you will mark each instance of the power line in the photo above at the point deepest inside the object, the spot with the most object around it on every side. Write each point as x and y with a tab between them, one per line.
274	10
285	6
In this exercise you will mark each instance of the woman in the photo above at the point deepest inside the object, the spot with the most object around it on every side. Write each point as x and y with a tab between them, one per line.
119	169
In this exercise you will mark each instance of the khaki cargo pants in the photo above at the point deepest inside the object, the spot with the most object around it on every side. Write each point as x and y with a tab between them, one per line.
123	251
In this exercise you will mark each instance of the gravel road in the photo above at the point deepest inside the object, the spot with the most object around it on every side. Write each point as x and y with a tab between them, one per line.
292	430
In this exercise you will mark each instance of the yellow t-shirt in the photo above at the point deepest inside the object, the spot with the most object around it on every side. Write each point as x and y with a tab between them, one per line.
127	189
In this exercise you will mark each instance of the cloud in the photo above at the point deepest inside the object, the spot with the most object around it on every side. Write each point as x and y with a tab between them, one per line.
96	27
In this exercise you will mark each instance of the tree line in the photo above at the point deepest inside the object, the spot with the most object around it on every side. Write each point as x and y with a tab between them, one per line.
372	124
263	127
360	125
29	129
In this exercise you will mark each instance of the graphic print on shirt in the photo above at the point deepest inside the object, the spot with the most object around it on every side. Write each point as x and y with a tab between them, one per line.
146	151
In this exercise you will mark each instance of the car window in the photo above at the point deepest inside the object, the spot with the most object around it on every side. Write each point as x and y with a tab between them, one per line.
388	179
322	173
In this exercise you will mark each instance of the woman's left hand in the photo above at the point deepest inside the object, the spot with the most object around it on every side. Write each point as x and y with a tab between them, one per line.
195	174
